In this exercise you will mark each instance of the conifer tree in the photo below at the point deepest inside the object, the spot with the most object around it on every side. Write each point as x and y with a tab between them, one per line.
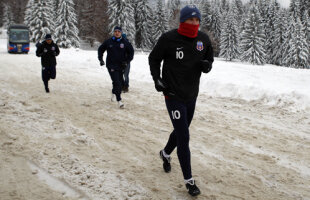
299	50
7	16
174	7
270	19
39	19
287	59
224	6
253	38
280	25
307	31
295	9
144	28
28	12
160	21
216	20
238	10
229	37
66	32
121	13
206	15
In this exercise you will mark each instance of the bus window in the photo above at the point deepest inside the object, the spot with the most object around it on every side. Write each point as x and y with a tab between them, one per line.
19	35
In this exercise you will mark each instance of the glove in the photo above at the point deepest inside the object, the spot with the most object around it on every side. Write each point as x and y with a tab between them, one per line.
124	65
38	44
55	53
206	66
160	85
101	63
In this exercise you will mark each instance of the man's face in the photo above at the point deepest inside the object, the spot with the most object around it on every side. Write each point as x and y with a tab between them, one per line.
193	21
117	34
49	41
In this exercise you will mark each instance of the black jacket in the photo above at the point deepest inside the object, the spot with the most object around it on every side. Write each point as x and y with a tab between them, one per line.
48	53
182	63
118	51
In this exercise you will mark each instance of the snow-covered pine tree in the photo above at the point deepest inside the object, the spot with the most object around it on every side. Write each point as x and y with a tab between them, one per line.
128	26
194	2
280	25
121	13
40	19
161	22
55	4
224	6
206	15
215	25
304	7
7	16
174	7
287	59
296	47
229	37
238	9
115	7
270	18
28	12
295	9
306	24
253	38
66	31
299	46
216	19
144	25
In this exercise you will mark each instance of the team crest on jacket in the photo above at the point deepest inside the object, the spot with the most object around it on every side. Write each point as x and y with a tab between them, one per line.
121	45
199	46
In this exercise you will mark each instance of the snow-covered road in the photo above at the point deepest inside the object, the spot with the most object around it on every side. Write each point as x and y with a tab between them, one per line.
74	143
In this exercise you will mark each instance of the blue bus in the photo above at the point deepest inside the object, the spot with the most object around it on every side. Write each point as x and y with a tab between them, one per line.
18	39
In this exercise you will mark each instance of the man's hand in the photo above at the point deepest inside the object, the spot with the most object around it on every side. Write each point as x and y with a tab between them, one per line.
101	63
206	66
38	44
160	85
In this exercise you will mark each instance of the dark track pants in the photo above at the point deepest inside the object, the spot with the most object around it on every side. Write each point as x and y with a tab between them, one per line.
48	72
126	76
116	77
181	115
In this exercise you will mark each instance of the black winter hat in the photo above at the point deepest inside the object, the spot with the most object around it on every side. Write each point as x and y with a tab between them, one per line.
48	37
117	28
189	11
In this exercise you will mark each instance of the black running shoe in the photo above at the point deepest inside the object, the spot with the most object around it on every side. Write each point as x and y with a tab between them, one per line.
47	90
192	188
166	164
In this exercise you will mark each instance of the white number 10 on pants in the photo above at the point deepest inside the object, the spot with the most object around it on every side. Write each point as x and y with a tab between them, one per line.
176	114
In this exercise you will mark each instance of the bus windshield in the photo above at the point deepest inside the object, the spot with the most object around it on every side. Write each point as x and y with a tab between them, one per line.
19	35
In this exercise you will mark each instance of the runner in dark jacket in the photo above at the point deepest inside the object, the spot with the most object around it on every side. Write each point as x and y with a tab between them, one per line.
119	53
48	51
186	53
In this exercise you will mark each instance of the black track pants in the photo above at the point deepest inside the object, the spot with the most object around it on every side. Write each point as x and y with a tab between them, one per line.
181	115
116	77
48	72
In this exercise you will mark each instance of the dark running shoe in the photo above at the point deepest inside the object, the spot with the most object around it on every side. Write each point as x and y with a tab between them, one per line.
47	90
192	187
166	164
